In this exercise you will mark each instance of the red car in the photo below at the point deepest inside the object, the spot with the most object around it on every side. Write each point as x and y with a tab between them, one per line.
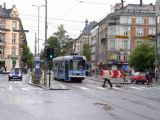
138	77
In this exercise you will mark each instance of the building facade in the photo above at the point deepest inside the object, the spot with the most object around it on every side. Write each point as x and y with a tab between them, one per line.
84	38
157	16
128	27
12	36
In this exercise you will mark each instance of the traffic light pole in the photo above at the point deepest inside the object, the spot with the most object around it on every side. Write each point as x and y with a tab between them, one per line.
49	78
45	68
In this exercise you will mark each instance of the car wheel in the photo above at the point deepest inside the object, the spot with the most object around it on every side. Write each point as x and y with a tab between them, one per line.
9	79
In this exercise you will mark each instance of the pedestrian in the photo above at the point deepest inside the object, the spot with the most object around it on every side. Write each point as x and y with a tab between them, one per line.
106	79
124	76
149	78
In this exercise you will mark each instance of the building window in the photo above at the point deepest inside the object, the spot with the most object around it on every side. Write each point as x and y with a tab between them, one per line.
112	44
151	31
112	31
125	20
139	42
2	38
151	20
13	51
118	56
2	24
14	25
139	20
139	31
125	56
125	44
13	37
124	31
1	52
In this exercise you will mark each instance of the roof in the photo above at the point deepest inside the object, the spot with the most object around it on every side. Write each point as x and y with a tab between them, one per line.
88	27
4	12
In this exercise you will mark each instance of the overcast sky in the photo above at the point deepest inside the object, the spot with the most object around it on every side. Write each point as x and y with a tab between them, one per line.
71	13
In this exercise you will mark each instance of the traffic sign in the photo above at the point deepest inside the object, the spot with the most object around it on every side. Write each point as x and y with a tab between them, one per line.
111	73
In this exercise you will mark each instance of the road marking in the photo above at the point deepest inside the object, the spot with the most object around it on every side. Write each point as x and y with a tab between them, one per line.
139	88
102	88
84	88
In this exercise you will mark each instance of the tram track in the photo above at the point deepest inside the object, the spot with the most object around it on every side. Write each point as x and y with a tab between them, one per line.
104	101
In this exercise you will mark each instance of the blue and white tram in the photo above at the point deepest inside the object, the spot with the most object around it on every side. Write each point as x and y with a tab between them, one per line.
69	68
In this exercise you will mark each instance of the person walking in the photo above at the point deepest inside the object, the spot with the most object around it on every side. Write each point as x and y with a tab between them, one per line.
106	78
149	78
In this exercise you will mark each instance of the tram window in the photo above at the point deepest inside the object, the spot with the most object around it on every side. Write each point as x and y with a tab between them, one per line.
71	64
81	64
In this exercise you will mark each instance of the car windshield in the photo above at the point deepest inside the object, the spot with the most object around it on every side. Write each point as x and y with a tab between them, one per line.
16	70
136	74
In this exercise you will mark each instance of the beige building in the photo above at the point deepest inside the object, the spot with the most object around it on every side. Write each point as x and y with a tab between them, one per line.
121	31
12	36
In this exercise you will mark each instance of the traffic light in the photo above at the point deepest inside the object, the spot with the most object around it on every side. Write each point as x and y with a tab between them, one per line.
50	53
45	52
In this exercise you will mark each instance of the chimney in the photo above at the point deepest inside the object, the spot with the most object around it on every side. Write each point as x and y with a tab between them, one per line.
122	2
141	3
4	5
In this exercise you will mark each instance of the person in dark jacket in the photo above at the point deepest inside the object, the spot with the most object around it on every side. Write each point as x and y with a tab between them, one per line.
149	78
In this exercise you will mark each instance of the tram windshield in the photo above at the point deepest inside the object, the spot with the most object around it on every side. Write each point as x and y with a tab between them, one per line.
77	64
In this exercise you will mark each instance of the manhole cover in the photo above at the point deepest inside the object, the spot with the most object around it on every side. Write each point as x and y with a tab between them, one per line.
104	105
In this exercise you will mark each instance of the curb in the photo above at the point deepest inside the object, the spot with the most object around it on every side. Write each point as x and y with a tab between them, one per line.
47	88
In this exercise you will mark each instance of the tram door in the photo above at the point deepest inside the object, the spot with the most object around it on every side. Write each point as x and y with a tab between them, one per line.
66	70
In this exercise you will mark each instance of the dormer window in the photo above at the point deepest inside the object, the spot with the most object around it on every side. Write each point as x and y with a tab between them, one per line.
14	25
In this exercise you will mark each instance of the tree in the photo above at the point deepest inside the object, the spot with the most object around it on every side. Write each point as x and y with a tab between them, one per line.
87	51
143	57
27	57
61	43
53	43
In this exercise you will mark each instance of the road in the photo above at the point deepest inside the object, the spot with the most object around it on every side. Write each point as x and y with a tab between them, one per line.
83	101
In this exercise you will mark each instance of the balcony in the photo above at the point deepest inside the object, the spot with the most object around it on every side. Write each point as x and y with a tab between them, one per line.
121	36
4	29
2	43
1	57
146	37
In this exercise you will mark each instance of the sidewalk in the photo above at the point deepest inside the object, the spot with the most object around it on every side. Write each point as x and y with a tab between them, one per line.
54	85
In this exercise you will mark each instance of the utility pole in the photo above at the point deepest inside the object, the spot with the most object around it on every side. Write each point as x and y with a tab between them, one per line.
38	6
35	52
45	61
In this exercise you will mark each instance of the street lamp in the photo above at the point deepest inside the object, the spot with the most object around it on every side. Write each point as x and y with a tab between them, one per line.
156	63
38	6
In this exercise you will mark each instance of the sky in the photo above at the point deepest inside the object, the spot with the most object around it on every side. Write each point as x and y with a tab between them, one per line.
71	13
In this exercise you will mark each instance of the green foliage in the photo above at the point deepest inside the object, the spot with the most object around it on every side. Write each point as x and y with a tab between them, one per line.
87	51
27	57
53	43
61	42
142	58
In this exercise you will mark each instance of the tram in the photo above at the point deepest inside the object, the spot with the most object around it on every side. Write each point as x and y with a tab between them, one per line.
69	68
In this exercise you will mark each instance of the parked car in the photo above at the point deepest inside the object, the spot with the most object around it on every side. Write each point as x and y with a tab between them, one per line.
15	74
138	77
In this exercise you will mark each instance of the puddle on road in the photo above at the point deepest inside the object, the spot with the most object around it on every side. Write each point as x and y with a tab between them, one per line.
104	106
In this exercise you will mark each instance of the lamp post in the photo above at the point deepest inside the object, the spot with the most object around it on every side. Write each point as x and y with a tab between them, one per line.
45	61
156	63
38	6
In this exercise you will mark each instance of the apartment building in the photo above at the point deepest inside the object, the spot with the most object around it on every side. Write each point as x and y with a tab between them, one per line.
120	32
84	38
157	61
12	36
128	27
